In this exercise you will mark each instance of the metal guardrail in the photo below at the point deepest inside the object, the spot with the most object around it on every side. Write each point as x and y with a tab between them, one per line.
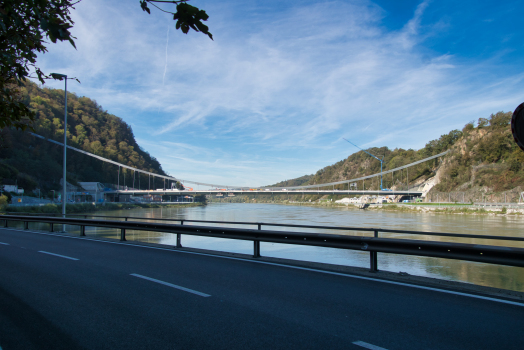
471	252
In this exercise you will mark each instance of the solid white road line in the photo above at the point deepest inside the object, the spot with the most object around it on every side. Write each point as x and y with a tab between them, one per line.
61	256
368	346
4	244
503	301
171	285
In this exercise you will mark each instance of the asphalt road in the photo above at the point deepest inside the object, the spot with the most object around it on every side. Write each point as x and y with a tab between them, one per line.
101	295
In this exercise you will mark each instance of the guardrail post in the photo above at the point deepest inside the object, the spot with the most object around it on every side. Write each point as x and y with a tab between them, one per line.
256	245
179	237
125	218
122	234
5	223
373	258
82	230
26	225
51	227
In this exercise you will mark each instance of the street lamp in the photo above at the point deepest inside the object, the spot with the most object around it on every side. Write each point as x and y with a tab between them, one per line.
64	188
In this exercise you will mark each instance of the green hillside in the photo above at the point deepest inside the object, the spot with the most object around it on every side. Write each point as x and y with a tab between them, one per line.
36	163
482	157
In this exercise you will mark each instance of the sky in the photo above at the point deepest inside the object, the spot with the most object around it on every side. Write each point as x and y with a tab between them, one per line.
283	82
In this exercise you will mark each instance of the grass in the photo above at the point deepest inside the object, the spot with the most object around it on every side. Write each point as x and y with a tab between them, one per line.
89	208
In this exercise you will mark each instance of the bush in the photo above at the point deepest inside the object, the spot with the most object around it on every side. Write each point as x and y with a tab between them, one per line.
3	201
482	123
468	127
500	119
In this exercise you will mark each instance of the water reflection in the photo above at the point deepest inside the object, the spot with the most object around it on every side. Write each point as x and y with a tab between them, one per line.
456	270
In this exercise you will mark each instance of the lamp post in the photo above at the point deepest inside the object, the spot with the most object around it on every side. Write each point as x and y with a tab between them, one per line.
53	195
64	187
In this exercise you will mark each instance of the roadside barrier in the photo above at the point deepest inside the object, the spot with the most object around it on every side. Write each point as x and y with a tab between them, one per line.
373	244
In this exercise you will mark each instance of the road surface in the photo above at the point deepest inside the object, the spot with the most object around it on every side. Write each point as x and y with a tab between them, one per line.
61	292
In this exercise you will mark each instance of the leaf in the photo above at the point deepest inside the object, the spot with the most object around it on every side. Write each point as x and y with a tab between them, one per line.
143	5
72	42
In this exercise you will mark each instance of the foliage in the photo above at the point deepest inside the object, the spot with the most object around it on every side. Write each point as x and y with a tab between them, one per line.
500	119
87	207
482	156
200	198
3	201
490	158
90	128
186	16
27	182
362	164
24	26
8	172
293	182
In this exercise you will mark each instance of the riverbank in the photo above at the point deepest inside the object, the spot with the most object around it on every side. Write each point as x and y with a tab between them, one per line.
499	209
89	208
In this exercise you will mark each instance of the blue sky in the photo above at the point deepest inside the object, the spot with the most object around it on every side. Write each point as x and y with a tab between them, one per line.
273	95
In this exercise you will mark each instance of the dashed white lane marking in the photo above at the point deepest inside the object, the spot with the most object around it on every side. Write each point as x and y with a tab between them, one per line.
4	244
368	346
61	256
503	301
172	285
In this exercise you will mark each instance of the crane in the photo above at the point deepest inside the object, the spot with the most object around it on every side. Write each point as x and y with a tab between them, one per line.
380	160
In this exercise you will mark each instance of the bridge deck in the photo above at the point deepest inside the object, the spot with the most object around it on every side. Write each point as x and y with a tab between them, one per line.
264	192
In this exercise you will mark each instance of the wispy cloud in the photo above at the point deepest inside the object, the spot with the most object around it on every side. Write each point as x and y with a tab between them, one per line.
278	85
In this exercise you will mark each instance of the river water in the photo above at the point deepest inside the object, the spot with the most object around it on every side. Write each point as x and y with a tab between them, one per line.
456	270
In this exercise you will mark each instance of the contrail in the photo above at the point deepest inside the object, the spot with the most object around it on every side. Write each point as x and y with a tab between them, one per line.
165	68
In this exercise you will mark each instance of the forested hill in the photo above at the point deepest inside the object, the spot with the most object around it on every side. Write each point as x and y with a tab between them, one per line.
483	157
361	164
36	163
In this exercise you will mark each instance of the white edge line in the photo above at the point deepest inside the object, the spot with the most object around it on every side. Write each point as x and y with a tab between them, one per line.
171	285
293	267
61	256
4	244
368	346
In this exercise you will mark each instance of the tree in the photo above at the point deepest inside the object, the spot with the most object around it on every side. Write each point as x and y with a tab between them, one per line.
24	28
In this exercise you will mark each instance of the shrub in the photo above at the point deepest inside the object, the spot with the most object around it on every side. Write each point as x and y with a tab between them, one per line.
3	201
468	127
500	119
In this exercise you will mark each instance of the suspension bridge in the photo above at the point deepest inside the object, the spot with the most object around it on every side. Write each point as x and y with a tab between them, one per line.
216	189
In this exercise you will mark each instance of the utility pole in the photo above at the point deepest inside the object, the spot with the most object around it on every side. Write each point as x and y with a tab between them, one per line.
64	184
380	160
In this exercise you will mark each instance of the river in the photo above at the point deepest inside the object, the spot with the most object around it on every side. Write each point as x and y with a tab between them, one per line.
511	278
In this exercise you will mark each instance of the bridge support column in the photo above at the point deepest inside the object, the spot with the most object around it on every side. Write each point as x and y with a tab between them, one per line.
373	258
178	240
